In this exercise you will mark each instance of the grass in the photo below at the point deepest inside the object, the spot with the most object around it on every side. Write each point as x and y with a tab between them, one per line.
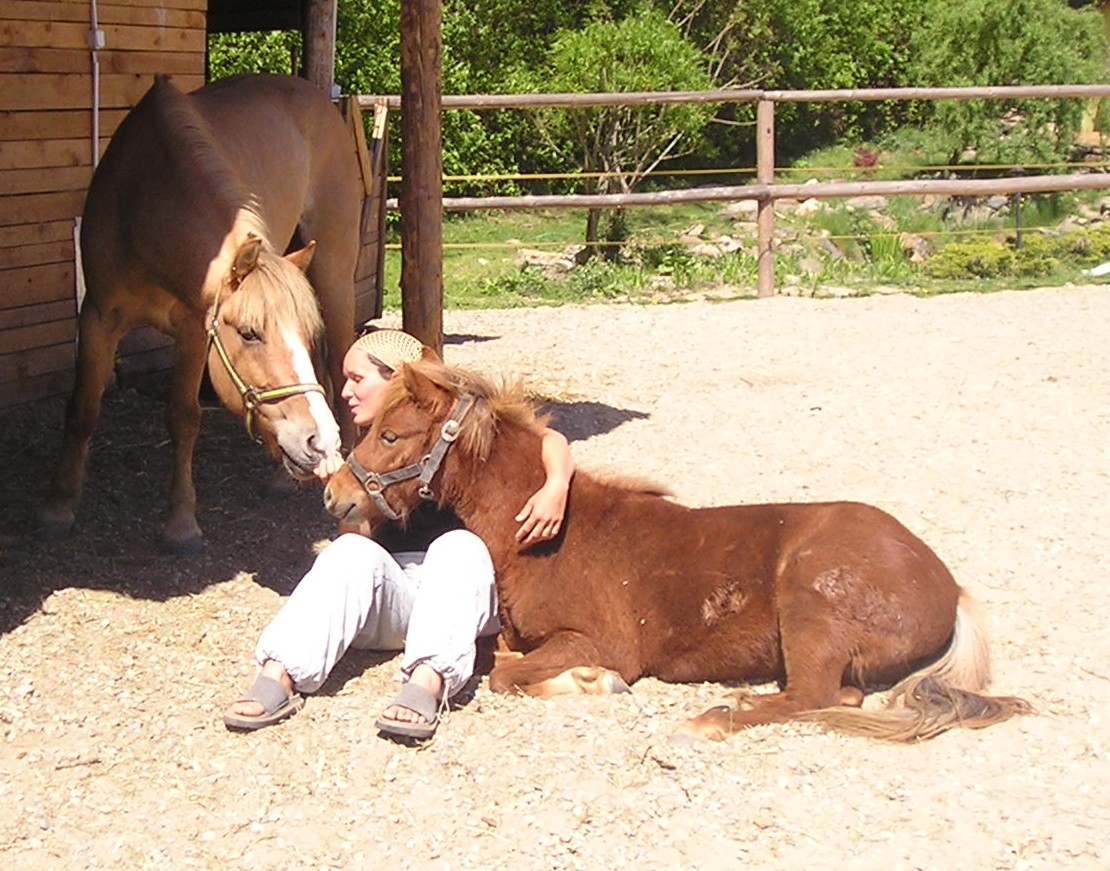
836	249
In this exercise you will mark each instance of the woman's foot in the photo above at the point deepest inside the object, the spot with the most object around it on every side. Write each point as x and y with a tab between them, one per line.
270	700
415	711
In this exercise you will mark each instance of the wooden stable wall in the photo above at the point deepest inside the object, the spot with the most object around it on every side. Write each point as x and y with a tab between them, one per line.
46	129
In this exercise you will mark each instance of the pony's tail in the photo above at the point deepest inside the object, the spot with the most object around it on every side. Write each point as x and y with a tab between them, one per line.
941	696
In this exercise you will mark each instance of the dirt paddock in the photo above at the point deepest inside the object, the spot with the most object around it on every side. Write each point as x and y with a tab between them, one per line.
981	421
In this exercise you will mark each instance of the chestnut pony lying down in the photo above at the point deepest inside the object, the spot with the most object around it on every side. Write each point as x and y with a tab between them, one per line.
828	599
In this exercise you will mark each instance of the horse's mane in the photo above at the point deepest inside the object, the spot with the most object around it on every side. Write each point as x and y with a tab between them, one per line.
273	294
496	405
190	140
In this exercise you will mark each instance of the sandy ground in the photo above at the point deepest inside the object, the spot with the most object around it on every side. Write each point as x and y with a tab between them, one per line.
981	421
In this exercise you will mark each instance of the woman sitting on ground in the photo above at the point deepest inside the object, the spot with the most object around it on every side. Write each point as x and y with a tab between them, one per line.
427	589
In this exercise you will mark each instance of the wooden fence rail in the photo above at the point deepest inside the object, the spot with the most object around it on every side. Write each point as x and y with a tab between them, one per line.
765	191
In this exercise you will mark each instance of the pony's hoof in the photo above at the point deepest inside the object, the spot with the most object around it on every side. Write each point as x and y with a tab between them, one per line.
681	739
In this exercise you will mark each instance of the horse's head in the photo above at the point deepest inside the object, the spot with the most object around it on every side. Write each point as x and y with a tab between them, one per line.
263	329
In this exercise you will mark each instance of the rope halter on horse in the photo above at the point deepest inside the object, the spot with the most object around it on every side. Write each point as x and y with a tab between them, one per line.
252	397
374	484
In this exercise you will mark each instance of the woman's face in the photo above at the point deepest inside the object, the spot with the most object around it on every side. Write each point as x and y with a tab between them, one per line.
364	386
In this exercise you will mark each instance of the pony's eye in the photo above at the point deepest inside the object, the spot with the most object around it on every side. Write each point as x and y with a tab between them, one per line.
388	436
249	334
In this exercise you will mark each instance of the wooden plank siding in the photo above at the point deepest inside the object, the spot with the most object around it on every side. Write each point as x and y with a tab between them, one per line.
46	100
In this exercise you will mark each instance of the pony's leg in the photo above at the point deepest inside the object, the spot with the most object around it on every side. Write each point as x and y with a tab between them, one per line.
581	680
815	663
98	336
181	533
558	667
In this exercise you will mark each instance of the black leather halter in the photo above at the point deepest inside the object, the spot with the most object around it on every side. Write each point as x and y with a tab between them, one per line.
375	483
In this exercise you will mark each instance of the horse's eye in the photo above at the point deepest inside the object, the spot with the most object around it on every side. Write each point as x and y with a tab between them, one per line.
388	436
249	335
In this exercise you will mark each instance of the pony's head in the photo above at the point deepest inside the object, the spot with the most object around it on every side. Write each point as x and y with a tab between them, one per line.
263	331
433	418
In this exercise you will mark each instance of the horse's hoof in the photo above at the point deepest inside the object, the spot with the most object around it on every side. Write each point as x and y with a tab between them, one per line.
53	532
279	483
186	547
55	522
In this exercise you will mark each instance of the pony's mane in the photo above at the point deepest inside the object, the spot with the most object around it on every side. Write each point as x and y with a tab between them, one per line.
496	405
632	483
506	403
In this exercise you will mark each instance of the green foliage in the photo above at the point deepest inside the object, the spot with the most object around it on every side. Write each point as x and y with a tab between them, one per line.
507	46
984	42
368	46
231	54
1040	255
643	52
806	44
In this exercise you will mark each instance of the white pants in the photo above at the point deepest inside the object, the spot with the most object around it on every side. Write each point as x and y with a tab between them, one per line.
432	605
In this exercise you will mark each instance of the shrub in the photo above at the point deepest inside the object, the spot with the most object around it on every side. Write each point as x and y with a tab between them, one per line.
981	259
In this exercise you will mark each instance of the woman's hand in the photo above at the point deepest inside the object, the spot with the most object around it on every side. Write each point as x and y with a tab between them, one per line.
542	515
328	466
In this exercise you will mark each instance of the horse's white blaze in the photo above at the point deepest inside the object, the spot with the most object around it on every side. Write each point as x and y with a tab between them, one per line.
327	430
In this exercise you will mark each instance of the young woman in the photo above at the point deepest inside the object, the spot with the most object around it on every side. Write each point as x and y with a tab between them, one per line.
427	589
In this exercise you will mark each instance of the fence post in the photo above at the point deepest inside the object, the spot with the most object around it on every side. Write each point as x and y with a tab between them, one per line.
421	172
765	215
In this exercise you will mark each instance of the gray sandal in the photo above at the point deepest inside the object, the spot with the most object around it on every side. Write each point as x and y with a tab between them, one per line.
276	705
419	700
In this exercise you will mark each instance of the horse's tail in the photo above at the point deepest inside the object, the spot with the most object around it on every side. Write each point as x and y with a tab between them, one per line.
941	696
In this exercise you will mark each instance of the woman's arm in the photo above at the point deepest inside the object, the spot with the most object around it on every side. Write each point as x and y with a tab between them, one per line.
542	515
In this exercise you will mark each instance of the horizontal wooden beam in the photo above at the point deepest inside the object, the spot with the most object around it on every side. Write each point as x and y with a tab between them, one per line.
479	102
815	190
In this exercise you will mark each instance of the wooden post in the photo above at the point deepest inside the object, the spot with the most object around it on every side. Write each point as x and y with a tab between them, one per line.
765	214
421	198
319	47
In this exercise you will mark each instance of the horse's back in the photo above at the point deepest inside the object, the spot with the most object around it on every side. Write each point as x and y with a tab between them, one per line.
292	148
183	167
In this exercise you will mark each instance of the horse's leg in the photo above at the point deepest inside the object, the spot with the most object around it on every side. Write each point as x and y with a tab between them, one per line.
98	336
332	274
181	533
561	666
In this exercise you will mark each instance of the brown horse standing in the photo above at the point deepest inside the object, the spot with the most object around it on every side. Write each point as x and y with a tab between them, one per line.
184	227
827	599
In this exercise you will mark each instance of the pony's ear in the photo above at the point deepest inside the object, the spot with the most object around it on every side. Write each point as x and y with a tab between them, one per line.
423	390
301	259
246	258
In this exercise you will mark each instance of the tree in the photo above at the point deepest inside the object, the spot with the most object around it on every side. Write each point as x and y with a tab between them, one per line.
983	42
803	44
616	146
